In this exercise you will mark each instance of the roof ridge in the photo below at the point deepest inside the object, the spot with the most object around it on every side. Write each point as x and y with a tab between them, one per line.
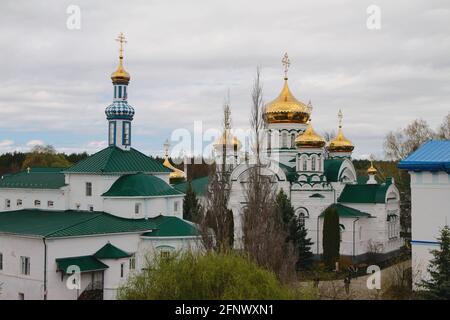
74	224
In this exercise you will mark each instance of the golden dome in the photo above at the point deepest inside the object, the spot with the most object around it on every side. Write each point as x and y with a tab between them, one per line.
309	139
120	75
176	174
227	138
286	108
372	169
340	143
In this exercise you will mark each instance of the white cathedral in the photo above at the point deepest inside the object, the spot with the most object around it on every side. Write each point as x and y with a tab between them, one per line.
316	175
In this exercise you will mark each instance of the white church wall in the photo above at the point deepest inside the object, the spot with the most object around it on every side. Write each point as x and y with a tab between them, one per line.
148	207
13	281
49	199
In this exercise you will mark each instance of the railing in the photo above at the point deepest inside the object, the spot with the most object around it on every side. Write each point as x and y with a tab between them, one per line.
94	291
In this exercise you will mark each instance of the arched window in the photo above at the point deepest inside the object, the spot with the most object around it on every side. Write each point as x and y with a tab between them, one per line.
341	231
319	163
313	163
305	164
302	214
293	140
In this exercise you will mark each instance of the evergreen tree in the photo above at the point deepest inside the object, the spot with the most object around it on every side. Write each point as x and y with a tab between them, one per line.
331	236
438	286
297	233
191	205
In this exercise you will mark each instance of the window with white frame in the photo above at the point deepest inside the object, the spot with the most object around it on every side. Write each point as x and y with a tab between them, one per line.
37	203
25	265
133	262
7	203
88	189
393	230
305	164
175	206
19	202
50	204
293	140
126	133
137	208
313	163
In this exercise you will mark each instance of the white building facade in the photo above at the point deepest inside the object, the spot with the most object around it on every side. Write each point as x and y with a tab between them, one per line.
429	168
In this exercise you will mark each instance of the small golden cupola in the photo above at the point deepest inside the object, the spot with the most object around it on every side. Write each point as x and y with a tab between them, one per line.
227	139
286	108
340	143
120	76
176	175
372	172
309	138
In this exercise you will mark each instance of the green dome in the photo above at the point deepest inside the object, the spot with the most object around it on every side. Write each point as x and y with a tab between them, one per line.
140	185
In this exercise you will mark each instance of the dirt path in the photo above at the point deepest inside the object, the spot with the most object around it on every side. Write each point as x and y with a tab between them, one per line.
335	289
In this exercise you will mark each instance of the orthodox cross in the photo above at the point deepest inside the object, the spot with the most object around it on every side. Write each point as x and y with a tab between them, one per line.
286	63
121	40
340	116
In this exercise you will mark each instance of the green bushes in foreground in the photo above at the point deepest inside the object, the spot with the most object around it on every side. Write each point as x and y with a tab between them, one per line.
207	276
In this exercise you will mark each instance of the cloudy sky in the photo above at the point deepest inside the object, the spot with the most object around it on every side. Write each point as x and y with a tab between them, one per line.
184	56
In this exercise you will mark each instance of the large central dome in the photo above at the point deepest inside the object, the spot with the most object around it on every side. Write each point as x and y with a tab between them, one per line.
286	108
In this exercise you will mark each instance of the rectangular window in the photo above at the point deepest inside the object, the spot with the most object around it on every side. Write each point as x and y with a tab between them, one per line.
165	254
133	262
7	203
90	207
1	261
120	91
137	208
88	189
37	203
175	206
122	269
19	202
115	92
25	265
126	134
50	204
112	133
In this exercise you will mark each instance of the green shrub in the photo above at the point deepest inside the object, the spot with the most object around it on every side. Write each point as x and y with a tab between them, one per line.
207	276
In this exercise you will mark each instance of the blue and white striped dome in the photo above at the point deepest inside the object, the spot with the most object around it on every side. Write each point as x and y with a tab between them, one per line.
119	110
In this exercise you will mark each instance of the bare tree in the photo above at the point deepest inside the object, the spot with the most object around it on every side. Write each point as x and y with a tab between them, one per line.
264	236
329	135
444	129
399	144
217	224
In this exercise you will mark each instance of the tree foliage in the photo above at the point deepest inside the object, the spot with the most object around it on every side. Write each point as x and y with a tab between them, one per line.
296	230
331	236
44	156
191	205
218	276
438	285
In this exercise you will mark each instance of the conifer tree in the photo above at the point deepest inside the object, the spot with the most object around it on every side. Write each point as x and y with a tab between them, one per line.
191	206
331	236
438	285
297	233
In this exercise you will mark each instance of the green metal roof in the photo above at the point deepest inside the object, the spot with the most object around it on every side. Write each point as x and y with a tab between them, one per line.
109	251
290	172
70	223
36	178
115	160
199	185
365	193
85	263
172	227
331	169
140	185
347	212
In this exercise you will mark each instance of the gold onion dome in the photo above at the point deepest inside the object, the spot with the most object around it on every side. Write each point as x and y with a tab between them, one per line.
120	75
286	108
227	139
309	139
176	174
340	143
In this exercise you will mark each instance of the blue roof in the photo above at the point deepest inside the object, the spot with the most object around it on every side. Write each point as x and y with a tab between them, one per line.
431	156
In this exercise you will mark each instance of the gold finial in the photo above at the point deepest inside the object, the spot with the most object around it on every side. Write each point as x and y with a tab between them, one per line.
286	63
372	170
340	116
121	40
